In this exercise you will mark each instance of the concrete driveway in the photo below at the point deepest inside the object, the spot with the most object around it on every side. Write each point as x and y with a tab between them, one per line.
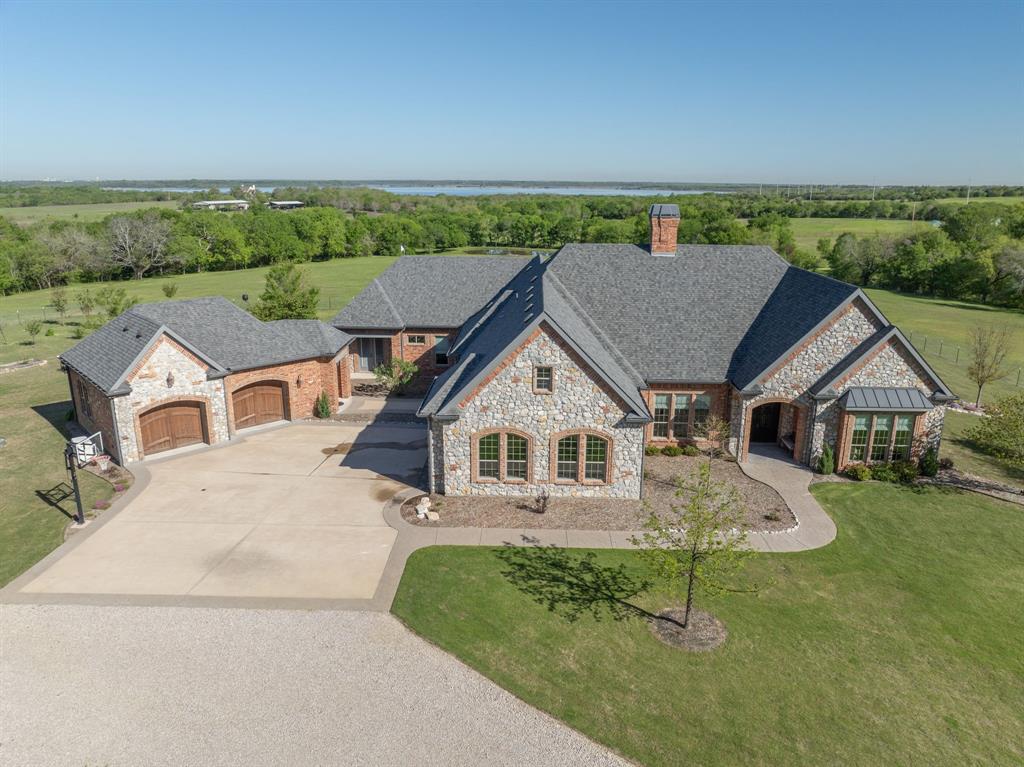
287	513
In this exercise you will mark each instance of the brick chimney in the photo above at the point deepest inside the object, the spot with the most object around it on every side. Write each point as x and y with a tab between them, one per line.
664	228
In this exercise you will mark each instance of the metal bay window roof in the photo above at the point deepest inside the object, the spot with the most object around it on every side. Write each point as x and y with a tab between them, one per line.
884	399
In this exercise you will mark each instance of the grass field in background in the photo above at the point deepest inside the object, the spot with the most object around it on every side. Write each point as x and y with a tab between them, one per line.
90	212
933	319
1003	200
898	643
807	231
965	457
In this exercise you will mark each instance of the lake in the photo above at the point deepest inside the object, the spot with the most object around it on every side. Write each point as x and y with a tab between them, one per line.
466	190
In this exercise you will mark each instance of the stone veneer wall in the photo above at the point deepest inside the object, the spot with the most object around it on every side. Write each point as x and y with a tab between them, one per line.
893	367
149	388
790	382
93	411
507	401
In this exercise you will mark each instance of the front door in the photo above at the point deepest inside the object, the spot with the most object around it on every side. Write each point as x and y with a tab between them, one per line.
764	423
371	353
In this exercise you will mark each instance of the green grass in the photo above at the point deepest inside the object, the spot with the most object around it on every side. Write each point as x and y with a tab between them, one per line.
897	644
934	319
1002	200
807	231
339	280
90	212
956	446
33	407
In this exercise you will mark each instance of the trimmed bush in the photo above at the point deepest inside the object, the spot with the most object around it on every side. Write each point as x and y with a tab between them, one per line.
322	408
858	471
652	450
827	461
884	472
929	463
906	471
946	463
672	450
691	451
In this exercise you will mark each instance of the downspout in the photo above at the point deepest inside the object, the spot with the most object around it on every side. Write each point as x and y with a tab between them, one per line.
430	454
228	422
117	433
71	390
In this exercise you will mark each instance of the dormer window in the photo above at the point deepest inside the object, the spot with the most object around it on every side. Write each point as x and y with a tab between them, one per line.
543	379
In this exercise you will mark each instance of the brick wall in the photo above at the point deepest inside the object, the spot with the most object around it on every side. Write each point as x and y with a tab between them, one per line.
664	232
303	381
720	404
422	355
93	412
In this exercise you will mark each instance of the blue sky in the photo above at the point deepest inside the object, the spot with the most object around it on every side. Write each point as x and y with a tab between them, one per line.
791	92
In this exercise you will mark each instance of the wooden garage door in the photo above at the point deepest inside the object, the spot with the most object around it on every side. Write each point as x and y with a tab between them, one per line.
170	426
258	403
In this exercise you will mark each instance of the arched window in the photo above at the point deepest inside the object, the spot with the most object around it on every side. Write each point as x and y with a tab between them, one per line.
581	457
501	456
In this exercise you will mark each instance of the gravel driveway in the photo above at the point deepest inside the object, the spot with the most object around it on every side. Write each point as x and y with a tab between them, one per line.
196	686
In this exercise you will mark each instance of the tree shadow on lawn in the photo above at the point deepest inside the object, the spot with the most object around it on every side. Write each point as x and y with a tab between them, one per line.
573	584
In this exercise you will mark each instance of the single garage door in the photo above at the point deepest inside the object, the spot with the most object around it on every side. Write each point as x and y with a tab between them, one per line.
258	403
169	426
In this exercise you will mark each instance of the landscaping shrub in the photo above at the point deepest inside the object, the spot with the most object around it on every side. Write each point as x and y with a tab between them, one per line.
101	505
946	463
929	463
49	332
652	450
827	461
672	450
691	451
858	471
884	472
395	375
1001	432
78	331
170	289
906	471
322	408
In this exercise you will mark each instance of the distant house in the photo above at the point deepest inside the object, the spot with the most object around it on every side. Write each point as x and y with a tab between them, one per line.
285	204
221	205
555	374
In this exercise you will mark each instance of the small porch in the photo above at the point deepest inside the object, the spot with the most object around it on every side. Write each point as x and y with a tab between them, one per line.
778	422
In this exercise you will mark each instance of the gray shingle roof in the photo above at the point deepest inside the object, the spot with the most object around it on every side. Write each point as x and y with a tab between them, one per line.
685	318
880	398
226	336
428	291
531	298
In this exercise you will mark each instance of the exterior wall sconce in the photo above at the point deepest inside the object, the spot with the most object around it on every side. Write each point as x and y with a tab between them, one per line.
298	381
170	379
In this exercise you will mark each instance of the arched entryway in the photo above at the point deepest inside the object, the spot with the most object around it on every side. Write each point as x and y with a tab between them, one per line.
175	424
259	403
777	422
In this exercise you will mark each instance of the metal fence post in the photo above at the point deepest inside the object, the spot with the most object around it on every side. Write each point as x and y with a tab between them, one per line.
940	346
957	361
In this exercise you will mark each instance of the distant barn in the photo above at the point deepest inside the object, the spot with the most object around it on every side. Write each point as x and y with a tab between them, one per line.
285	204
221	205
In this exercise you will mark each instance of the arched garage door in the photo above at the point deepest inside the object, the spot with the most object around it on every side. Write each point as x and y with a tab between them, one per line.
173	425
258	403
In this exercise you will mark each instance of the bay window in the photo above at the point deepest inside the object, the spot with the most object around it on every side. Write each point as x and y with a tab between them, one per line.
881	437
680	415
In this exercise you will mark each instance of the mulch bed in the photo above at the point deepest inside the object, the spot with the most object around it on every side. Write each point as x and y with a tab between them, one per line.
703	631
765	509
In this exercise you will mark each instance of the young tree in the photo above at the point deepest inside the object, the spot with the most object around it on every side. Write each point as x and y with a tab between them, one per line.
114	301
86	303
59	301
287	296
33	328
700	543
989	346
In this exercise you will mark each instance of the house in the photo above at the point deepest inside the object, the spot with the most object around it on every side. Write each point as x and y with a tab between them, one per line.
221	205
541	374
165	375
555	374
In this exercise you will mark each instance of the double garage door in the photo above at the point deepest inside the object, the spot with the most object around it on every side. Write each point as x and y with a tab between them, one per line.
169	426
258	403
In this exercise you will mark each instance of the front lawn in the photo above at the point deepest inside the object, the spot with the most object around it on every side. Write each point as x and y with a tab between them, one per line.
897	644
